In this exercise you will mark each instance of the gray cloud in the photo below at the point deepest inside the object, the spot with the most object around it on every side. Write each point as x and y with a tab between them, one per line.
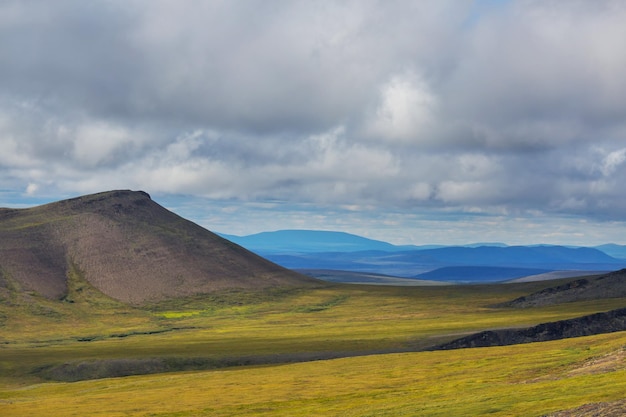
487	108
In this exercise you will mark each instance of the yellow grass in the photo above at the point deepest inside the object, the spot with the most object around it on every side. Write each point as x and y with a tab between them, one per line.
523	380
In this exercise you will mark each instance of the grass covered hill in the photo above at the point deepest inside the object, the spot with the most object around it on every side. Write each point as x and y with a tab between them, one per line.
128	247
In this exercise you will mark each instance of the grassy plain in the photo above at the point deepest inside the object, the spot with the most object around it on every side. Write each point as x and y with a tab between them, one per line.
288	326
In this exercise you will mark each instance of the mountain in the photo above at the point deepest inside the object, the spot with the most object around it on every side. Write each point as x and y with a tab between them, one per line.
311	241
301	241
611	249
417	262
550	257
128	247
476	262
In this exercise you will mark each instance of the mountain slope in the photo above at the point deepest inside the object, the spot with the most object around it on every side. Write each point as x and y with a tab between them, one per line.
128	247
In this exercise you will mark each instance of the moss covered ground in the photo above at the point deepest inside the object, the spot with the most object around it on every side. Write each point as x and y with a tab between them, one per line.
240	353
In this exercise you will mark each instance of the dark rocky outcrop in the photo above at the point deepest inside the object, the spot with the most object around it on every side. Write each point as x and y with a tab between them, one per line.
611	285
608	322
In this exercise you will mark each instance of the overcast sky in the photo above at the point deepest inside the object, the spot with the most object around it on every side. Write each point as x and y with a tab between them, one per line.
408	121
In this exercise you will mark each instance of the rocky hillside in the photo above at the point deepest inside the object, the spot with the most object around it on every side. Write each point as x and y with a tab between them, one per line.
611	285
128	247
611	321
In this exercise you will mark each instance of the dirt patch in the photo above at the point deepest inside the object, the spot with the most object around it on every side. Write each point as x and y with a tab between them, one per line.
603	409
608	363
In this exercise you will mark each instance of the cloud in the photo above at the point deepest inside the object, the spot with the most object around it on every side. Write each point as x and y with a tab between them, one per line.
406	110
612	161
542	74
32	189
494	108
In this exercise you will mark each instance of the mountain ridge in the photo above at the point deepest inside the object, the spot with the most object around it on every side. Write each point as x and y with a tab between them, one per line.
476	262
317	241
128	247
305	241
415	263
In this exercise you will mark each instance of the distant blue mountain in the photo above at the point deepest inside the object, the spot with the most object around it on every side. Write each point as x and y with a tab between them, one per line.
517	256
611	249
299	241
417	262
480	262
479	244
310	241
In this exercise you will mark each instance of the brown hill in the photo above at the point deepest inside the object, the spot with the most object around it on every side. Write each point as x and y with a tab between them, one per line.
128	247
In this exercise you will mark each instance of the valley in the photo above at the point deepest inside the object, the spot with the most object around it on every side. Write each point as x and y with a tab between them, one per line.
332	349
274	342
401	208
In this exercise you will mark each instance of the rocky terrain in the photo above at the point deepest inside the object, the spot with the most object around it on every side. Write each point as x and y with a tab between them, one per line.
611	321
611	285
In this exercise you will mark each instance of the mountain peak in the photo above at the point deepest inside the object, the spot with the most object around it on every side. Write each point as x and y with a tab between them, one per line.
113	194
105	198
128	247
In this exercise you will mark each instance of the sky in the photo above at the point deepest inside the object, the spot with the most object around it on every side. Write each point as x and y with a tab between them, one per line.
414	122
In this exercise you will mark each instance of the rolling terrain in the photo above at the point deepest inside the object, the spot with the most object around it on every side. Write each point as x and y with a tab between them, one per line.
333	351
128	247
92	323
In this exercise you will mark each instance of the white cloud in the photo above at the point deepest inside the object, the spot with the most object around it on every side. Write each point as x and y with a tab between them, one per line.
376	106
419	191
612	161
406	110
32	188
97	143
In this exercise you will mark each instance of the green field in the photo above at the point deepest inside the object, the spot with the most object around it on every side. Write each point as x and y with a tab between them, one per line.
243	353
